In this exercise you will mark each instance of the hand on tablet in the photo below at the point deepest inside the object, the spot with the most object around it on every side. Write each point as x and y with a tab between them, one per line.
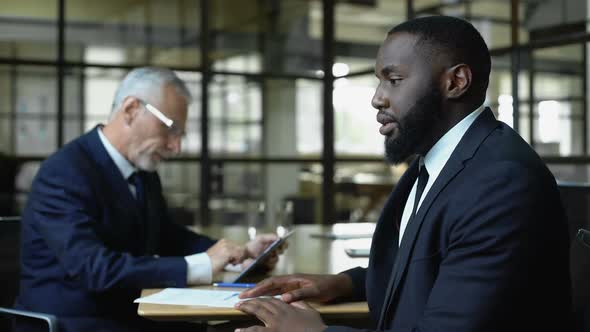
255	247
224	252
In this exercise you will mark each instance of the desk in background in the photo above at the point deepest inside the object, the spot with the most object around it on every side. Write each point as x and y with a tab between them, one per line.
306	254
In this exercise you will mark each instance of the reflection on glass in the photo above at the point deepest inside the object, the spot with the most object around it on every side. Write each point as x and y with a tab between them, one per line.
35	110
252	194
308	117
570	173
29	29
262	36
181	186
361	28
99	90
161	33
559	74
289	126
558	128
362	188
356	128
235	115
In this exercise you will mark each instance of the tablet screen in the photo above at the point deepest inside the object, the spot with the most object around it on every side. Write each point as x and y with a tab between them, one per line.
262	257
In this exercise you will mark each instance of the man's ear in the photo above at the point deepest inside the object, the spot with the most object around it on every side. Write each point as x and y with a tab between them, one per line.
457	81
130	109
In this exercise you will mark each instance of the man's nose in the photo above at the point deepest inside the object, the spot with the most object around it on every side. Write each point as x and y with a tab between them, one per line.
379	100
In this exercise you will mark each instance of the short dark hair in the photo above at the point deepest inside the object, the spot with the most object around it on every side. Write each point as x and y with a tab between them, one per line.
459	41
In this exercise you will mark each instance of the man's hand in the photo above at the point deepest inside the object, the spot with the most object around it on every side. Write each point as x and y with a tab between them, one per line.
225	252
314	287
280	316
257	246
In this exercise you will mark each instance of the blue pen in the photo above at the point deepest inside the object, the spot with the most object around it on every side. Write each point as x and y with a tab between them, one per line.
231	284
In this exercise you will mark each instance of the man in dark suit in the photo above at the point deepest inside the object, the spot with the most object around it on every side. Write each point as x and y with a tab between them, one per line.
474	237
96	230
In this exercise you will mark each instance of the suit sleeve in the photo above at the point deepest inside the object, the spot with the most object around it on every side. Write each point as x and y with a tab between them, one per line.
495	230
357	275
176	239
64	212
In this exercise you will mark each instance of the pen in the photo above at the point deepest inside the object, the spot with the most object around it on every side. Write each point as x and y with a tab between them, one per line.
231	284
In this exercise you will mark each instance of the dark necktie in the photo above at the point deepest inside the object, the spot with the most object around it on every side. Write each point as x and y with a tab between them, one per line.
422	181
135	180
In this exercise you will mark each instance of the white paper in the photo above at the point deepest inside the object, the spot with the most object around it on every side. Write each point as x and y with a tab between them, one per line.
188	296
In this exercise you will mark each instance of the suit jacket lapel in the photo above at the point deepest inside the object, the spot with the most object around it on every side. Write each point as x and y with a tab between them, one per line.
464	151
111	174
393	208
384	248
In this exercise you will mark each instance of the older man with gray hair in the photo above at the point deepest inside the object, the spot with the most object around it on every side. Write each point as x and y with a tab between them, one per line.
96	230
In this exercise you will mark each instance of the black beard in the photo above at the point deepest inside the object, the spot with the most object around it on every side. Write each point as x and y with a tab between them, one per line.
415	127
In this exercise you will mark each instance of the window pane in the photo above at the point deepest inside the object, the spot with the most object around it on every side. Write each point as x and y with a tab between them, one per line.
492	18
263	36
309	119
156	32
29	29
545	18
559	74
570	173
499	93
99	90
35	136
235	115
240	188
181	186
360	28
6	108
558	128
288	127
6	133
356	127
362	188
191	143
35	108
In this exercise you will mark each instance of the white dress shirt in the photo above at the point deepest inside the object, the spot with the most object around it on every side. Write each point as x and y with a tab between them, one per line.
199	269
434	161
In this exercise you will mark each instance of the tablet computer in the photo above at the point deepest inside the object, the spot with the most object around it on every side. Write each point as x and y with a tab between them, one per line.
261	259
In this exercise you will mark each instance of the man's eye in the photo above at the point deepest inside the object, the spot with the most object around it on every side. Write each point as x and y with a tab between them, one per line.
395	81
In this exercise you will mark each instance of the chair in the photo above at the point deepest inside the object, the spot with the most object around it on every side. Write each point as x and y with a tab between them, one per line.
9	277
580	269
576	200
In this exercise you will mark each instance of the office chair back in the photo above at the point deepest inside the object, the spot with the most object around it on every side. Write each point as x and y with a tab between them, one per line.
580	267
9	259
576	200
9	281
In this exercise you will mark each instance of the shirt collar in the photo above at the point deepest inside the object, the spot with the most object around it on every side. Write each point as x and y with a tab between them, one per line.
122	164
440	153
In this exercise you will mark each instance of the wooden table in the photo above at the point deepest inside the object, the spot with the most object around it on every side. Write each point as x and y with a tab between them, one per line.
305	254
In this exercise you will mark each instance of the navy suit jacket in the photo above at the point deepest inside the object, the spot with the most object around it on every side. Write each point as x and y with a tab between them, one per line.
486	251
88	249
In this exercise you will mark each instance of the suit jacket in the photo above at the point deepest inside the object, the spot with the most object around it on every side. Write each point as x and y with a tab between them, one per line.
88	249
486	251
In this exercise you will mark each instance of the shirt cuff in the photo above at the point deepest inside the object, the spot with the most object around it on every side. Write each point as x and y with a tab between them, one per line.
199	270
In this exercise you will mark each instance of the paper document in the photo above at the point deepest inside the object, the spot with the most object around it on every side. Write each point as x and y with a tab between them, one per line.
188	296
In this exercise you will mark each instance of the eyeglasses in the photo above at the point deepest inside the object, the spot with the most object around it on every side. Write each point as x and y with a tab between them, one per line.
172	127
